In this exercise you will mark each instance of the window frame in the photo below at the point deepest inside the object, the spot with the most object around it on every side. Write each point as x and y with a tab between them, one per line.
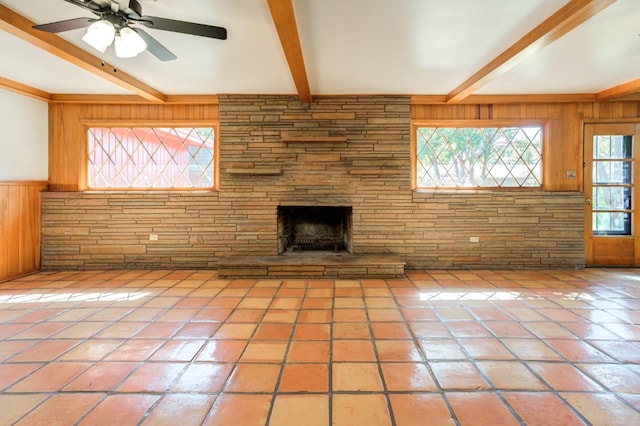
87	124
415	124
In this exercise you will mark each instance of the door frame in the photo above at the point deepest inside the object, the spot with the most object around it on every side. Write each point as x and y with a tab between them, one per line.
629	244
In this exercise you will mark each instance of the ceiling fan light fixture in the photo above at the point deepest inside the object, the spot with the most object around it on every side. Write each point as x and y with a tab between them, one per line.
128	43
100	35
120	21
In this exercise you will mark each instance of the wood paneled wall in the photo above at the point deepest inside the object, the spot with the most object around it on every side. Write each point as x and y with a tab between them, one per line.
68	142
19	227
563	147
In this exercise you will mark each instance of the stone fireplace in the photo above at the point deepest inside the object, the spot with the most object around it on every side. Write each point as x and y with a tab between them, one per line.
320	228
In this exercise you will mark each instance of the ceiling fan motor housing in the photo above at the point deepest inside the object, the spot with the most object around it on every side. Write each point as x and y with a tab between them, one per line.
117	20
134	9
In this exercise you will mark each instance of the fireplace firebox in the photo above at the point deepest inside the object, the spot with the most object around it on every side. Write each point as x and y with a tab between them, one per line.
322	228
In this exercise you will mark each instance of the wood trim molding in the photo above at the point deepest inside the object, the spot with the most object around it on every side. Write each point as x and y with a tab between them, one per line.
551	29
25	90
507	99
41	183
133	99
284	19
148	123
619	91
21	27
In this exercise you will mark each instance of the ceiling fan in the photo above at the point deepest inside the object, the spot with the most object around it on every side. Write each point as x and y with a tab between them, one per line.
119	23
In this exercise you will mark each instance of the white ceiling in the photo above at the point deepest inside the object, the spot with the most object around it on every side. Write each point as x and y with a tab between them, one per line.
419	47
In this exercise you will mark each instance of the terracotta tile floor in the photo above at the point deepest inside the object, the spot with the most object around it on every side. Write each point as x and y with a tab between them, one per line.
481	347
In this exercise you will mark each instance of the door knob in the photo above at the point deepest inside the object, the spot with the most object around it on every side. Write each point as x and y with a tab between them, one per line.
587	201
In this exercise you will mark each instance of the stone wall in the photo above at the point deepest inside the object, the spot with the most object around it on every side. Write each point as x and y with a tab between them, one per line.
342	151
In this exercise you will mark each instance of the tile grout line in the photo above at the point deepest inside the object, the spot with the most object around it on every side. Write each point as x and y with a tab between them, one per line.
425	358
372	337
286	350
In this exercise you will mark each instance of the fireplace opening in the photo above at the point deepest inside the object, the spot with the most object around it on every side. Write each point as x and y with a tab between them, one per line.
321	228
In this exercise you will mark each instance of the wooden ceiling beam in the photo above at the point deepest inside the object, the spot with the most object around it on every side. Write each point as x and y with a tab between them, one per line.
619	91
25	90
284	19
564	20
21	27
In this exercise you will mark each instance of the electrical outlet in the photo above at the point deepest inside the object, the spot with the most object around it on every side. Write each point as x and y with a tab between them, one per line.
474	239
153	237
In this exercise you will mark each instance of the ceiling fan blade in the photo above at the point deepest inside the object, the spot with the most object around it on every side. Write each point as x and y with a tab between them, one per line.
67	25
154	47
183	27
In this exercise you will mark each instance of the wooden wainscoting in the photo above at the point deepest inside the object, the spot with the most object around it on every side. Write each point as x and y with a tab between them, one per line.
20	227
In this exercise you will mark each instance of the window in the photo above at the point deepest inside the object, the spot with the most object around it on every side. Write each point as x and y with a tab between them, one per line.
151	157
478	157
612	184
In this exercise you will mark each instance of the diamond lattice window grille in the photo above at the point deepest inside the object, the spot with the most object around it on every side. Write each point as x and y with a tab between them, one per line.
478	157
146	157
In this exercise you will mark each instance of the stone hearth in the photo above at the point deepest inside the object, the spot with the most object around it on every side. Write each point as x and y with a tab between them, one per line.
312	264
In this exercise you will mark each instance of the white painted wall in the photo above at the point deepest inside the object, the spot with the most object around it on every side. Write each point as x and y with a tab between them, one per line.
23	138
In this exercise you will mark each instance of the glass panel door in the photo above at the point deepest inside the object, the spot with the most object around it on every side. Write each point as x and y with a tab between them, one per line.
610	194
611	189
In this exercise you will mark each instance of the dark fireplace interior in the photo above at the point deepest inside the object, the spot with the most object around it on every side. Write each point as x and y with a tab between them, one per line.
320	228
